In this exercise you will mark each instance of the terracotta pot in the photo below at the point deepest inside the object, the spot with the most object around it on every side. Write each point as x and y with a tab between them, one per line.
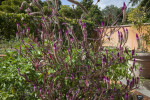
143	59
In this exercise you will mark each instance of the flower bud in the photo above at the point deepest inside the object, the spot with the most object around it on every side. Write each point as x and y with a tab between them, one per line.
34	87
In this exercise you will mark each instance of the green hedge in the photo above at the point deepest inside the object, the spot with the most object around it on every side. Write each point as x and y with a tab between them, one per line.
8	23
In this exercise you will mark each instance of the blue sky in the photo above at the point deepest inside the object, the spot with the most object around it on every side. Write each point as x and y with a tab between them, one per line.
103	3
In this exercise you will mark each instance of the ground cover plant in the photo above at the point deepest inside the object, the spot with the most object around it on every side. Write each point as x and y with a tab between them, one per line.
65	67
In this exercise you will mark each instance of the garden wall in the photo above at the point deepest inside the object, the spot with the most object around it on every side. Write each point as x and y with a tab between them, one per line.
131	43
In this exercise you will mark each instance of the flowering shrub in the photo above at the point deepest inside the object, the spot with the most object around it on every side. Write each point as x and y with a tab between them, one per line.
70	68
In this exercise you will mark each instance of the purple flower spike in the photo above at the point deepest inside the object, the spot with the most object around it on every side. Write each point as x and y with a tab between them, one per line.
137	37
134	61
72	76
133	52
118	54
17	35
127	30
126	96
131	69
123	29
137	80
111	97
59	31
99	30
118	34
107	80
84	26
34	87
106	51
66	31
47	91
28	29
128	82
140	69
40	90
104	78
121	36
102	24
54	46
124	6
103	60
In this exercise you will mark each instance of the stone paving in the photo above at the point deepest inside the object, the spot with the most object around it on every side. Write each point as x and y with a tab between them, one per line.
143	90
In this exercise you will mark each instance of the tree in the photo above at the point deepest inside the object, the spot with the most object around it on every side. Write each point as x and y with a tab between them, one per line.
94	13
143	3
113	12
1	1
45	4
66	11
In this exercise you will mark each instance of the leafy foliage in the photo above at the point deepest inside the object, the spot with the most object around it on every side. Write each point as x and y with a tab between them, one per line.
75	69
112	11
12	86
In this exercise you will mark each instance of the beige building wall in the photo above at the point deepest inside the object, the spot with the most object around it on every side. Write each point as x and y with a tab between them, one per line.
131	43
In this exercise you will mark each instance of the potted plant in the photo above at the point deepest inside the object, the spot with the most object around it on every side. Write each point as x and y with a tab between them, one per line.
142	57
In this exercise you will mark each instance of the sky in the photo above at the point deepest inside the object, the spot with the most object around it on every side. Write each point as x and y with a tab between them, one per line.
103	3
